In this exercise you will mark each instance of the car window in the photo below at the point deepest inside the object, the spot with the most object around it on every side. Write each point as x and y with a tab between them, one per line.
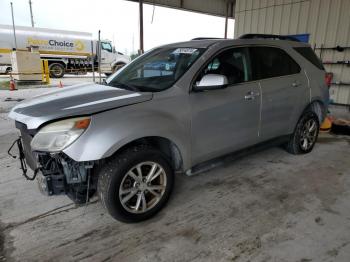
310	55
233	63
157	70
214	64
270	62
107	47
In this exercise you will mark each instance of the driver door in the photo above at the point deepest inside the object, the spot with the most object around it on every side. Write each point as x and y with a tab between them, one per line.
107	57
225	120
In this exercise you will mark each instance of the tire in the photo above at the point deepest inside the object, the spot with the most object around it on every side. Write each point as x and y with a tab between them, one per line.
119	179
117	67
57	70
297	145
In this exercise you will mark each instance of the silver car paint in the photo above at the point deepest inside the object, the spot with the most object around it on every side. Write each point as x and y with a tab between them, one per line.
83	99
224	121
201	125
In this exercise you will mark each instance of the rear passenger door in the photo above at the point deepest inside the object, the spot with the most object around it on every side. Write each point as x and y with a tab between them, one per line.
284	89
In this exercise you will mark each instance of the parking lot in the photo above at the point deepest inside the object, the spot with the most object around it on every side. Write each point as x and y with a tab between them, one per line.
266	206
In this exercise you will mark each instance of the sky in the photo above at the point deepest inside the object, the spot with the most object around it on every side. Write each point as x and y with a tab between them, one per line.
118	21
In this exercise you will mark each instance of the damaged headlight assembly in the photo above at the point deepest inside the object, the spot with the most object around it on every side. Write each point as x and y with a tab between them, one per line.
56	136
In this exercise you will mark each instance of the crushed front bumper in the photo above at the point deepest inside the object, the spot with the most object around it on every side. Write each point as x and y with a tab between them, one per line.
55	173
48	184
21	158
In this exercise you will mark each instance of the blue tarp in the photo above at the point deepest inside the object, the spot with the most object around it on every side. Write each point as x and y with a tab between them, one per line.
302	37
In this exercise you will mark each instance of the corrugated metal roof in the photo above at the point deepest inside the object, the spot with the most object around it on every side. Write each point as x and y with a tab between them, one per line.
327	22
210	7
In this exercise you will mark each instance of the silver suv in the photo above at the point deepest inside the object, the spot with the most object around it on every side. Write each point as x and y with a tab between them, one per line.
172	110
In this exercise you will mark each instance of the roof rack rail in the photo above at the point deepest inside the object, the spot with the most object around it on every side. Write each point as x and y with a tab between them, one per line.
206	38
266	36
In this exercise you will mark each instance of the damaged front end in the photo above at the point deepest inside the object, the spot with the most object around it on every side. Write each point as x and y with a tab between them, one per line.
55	172
58	174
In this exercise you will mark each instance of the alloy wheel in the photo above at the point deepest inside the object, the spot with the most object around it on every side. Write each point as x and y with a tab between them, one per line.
308	134
142	187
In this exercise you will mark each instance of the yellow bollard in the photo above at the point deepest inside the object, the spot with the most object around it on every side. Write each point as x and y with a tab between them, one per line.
43	72
47	72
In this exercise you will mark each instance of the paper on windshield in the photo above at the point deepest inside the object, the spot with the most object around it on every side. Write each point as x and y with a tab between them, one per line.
185	50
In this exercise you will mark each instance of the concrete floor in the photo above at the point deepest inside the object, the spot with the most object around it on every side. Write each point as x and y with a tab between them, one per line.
267	206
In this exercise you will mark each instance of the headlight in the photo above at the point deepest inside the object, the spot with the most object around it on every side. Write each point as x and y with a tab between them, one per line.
56	136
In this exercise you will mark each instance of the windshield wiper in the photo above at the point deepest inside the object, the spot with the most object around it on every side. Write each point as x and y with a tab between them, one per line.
124	86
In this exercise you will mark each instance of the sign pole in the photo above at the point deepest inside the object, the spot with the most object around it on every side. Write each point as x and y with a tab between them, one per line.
13	25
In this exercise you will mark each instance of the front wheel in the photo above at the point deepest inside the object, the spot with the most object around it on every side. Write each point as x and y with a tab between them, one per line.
305	134
136	184
118	66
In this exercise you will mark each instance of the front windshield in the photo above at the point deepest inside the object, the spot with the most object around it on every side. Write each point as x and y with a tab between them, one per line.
157	70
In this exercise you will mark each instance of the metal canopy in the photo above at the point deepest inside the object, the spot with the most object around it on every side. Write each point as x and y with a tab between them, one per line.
211	7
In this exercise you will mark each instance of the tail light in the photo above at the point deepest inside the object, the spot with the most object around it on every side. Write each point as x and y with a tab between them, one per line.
328	77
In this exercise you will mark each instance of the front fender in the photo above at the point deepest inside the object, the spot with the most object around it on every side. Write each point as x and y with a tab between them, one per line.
120	60
111	130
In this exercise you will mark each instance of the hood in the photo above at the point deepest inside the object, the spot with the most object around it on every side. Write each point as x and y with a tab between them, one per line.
82	99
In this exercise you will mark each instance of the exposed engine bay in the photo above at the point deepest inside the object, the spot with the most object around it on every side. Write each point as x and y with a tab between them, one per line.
56	173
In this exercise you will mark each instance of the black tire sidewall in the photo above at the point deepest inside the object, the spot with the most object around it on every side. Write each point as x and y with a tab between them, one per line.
118	170
297	134
52	74
117	67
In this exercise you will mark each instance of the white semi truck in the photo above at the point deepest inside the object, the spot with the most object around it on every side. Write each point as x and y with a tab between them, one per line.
66	51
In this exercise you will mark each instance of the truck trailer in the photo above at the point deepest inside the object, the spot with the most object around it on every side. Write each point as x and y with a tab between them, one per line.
66	51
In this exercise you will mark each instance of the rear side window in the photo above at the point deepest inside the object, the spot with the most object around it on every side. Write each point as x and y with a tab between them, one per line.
270	62
310	55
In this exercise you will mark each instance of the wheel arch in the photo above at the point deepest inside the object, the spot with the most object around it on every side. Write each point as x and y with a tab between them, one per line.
50	62
316	106
116	66
165	145
319	108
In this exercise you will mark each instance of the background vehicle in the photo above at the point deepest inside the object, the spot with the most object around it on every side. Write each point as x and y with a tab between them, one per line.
66	51
172	110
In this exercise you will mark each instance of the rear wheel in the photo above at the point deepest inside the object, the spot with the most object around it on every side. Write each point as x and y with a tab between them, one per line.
8	70
136	184
56	70
305	134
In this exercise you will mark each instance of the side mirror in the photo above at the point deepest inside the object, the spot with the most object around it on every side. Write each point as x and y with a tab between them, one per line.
211	82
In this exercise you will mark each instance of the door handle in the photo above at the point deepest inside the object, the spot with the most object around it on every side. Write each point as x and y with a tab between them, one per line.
295	84
251	95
